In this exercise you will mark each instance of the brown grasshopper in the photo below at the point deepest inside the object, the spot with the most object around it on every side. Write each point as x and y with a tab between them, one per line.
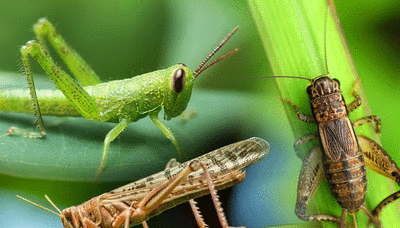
342	155
136	202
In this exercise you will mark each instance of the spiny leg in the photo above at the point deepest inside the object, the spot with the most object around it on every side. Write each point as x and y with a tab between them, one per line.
165	130
154	198
215	198
372	218
377	159
343	218
197	214
302	140
109	138
369	119
353	215
196	211
144	224
301	116
310	177
357	102
79	98
385	202
78	67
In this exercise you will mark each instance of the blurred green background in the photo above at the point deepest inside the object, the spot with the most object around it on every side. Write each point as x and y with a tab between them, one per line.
121	39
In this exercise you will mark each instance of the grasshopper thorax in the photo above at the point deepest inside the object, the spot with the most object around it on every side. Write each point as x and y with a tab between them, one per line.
323	86
178	91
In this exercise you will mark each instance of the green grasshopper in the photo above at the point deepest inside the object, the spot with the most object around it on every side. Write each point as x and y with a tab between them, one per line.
119	101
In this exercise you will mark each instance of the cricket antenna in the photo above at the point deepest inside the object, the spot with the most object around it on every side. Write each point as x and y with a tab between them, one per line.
326	25
61	216
200	68
298	77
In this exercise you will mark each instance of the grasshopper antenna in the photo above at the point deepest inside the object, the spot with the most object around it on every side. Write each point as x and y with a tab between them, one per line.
61	216
200	68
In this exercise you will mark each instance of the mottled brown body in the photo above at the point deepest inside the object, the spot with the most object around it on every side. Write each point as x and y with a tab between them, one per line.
342	156
138	201
109	209
342	159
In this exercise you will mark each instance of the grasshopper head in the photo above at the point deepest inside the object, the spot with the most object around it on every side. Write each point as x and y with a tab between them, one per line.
179	89
181	78
67	217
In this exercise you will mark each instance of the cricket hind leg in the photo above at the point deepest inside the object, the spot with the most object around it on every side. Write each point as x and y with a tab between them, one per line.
78	67
310	177
377	159
302	140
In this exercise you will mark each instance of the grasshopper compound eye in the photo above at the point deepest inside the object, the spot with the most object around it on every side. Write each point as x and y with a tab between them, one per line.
178	80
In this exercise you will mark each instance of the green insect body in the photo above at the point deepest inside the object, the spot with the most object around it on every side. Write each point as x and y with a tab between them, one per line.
130	99
119	101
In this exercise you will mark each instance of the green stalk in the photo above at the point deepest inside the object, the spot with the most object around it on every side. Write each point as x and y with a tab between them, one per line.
293	36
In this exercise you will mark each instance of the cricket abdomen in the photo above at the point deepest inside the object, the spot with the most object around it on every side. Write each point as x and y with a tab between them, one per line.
347	181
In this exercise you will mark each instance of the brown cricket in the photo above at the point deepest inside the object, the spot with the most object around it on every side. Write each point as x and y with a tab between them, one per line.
342	155
136	202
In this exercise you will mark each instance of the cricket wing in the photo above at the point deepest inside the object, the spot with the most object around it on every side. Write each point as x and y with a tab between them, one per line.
338	138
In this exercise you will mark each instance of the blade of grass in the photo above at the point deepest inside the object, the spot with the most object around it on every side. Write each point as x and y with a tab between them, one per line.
292	32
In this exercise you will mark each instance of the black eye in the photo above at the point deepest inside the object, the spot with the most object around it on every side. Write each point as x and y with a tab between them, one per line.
337	81
309	88
178	80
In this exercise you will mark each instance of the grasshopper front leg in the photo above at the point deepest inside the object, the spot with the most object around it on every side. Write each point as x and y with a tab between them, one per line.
165	130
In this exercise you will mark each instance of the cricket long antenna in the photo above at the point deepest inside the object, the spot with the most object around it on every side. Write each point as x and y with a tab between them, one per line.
42	206
326	25
200	68
298	77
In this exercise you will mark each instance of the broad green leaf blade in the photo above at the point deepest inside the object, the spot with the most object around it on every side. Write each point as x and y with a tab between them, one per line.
293	37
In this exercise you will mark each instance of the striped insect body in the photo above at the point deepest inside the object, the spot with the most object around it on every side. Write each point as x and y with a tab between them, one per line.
342	156
138	201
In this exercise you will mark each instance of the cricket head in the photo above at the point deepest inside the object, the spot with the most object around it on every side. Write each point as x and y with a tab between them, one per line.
323	86
181	78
